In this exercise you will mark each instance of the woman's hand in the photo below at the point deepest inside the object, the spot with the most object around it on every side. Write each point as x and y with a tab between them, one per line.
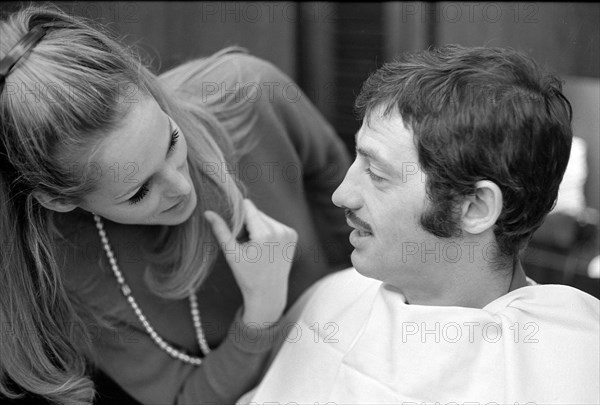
261	266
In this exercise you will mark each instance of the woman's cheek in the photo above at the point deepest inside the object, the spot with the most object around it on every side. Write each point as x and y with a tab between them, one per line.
144	211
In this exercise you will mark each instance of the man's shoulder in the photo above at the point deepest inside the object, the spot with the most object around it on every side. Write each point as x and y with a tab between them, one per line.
348	281
557	304
334	294
557	294
567	296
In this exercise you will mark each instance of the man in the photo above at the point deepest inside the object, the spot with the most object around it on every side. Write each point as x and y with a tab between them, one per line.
459	159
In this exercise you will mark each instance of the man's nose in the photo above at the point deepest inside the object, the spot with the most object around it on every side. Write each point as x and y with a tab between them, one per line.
347	194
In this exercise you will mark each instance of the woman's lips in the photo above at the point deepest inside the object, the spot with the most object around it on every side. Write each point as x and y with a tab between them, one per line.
177	205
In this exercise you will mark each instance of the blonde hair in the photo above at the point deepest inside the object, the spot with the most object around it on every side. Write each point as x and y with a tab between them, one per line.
58	102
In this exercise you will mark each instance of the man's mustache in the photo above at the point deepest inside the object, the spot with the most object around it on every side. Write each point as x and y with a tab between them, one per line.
352	217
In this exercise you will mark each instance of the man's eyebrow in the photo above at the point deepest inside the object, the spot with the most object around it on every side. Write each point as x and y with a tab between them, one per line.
366	152
138	184
373	155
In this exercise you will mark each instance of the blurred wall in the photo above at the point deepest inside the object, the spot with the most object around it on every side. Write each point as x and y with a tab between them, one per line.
342	43
359	37
330	48
564	36
174	32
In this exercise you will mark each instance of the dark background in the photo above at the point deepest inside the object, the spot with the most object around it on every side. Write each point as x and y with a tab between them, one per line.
329	49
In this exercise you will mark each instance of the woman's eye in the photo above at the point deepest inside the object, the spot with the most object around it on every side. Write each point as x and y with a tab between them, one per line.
140	194
373	176
174	139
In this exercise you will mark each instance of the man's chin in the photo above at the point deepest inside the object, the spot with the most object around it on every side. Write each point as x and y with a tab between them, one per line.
364	264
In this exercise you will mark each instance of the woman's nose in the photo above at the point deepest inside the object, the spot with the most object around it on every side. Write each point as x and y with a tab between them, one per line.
177	181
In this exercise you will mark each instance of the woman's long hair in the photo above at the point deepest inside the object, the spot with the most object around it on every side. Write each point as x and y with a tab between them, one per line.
57	104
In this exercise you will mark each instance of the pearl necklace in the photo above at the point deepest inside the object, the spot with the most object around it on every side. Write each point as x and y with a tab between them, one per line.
196	361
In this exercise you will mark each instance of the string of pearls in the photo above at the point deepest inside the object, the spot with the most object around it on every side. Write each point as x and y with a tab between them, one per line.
149	329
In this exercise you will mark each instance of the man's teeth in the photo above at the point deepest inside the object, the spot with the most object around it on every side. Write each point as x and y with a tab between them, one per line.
363	233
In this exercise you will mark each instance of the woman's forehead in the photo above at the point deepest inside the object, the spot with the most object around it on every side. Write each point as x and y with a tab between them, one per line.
136	148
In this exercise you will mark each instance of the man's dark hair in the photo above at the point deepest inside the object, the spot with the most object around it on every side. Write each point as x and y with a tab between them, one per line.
479	114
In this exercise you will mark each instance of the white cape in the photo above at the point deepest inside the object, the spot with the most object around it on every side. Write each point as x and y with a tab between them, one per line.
355	341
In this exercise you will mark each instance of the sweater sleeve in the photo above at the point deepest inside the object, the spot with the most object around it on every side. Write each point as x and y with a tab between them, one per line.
325	162
323	157
243	91
152	377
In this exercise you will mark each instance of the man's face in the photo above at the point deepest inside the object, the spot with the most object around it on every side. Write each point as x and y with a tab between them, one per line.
384	195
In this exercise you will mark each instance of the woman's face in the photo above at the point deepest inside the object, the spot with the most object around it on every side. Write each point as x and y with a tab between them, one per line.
142	171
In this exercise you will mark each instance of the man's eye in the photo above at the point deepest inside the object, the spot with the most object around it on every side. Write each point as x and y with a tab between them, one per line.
139	195
373	176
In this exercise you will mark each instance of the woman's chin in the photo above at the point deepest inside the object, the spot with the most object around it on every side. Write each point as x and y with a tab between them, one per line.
179	214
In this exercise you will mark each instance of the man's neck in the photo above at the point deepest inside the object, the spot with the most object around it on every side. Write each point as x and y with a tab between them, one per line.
471	289
518	277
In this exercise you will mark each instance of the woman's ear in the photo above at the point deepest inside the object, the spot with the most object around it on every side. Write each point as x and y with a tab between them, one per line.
480	211
53	203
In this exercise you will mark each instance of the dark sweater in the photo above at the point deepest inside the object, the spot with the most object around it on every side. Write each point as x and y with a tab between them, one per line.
290	174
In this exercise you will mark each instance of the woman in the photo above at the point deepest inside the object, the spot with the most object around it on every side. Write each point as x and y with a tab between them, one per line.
121	197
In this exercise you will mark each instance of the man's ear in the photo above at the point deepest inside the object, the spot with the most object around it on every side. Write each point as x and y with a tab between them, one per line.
53	203
481	210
